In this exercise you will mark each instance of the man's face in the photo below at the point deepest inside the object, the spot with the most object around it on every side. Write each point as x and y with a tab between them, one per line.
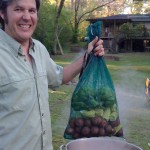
21	19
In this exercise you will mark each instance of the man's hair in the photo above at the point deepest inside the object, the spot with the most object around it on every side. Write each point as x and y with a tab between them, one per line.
5	3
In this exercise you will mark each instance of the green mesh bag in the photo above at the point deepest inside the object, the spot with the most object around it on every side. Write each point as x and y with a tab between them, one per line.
94	109
94	30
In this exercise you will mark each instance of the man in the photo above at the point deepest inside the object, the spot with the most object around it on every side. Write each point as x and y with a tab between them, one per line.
26	71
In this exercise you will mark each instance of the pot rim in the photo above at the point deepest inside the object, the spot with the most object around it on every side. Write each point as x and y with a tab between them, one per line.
122	140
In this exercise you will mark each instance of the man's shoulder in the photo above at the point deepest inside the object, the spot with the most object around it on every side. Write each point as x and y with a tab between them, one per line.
39	47
37	43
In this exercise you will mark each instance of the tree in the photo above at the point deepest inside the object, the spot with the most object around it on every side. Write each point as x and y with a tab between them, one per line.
116	7
46	26
57	30
135	7
147	7
81	13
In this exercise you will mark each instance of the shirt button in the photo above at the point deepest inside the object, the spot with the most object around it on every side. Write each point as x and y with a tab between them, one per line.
25	59
43	132
42	114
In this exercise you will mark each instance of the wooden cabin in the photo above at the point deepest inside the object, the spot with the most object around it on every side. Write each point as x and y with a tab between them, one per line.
114	40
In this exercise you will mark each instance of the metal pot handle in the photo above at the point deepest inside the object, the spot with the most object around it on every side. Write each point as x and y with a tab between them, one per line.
61	147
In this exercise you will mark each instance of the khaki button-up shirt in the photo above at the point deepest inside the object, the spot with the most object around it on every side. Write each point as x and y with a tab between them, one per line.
24	108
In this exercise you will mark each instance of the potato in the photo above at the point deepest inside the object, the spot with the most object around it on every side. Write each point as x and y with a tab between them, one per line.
87	122
101	132
78	129
70	131
115	123
94	131
79	122
86	131
108	129
72	123
103	123
96	121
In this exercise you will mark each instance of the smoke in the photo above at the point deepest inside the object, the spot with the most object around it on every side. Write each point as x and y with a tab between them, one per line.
130	89
130	92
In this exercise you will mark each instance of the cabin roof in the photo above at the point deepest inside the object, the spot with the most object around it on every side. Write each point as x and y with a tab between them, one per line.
124	17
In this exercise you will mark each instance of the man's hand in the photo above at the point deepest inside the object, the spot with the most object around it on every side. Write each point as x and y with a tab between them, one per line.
99	50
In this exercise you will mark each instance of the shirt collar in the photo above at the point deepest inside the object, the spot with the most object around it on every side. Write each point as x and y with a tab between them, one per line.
13	44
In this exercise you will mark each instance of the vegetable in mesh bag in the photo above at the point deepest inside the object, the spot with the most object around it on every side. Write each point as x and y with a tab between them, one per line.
94	109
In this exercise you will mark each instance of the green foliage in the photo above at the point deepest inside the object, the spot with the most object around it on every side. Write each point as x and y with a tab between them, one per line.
66	33
133	31
46	24
125	28
82	30
44	30
75	37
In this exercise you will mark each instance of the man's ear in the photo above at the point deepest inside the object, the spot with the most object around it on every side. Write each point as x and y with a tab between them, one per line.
1	15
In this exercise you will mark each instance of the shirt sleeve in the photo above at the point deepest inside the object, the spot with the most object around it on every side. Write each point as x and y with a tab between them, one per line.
54	72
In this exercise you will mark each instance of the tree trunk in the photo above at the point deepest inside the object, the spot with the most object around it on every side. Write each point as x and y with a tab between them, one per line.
60	47
56	39
78	18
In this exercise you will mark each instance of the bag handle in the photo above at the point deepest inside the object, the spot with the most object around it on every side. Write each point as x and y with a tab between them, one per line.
85	61
93	30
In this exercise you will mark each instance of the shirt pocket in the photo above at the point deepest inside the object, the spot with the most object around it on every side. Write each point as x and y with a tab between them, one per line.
42	78
42	83
13	92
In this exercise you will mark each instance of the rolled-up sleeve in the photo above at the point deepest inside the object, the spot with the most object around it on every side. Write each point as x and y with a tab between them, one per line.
54	72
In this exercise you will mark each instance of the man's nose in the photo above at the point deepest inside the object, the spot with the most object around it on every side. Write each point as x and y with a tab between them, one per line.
26	15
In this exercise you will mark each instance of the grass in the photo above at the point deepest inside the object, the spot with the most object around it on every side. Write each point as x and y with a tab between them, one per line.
128	74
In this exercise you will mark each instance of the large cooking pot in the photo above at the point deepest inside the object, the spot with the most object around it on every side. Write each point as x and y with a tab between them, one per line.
100	143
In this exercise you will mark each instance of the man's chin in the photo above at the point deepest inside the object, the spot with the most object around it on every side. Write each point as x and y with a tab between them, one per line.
23	39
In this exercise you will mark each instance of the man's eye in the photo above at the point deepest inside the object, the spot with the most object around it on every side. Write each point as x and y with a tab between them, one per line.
33	11
18	10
